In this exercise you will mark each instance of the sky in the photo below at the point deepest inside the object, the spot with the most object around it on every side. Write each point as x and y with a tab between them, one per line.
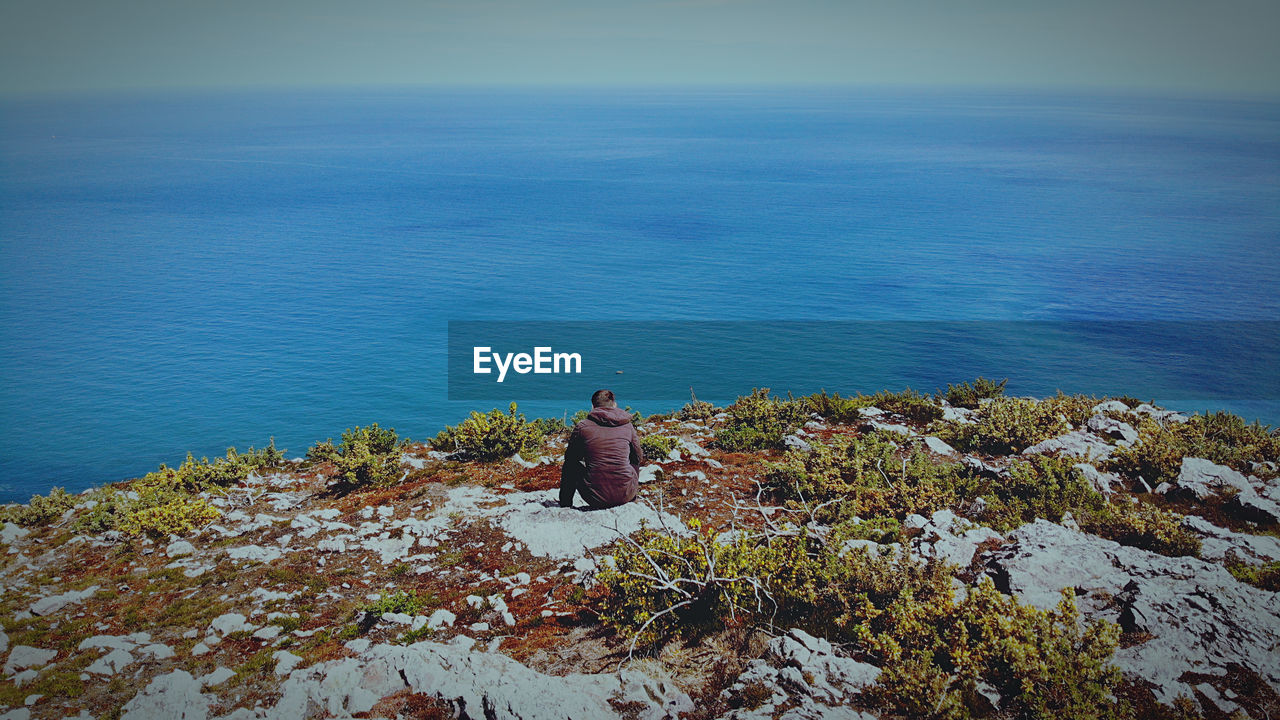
1179	46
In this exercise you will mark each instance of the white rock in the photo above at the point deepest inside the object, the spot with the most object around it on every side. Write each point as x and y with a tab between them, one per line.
217	677
440	618
1110	406
200	649
255	553
650	473
936	445
175	695
111	663
267	632
230	623
22	657
1121	432
1204	479
52	604
1217	543
12	532
547	530
522	462
1105	483
285	661
806	673
952	539
179	548
1076	442
1199	617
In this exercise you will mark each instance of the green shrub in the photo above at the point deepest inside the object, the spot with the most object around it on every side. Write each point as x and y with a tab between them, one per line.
550	426
1220	437
834	408
968	396
657	446
198	475
1008	425
491	436
934	647
759	422
1038	486
1265	576
40	510
880	530
908	403
1143	526
366	456
175	516
696	409
399	601
868	475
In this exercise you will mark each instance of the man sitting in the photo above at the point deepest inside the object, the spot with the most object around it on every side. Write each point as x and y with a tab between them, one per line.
602	461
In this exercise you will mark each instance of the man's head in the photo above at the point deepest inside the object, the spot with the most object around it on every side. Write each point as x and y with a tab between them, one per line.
603	398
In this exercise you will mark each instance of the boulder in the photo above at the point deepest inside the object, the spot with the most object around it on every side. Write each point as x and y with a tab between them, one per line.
1103	482
1110	406
1203	479
937	446
1217	543
1199	618
952	539
54	603
23	657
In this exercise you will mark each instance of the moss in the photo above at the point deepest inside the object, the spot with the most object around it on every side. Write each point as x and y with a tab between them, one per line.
1265	576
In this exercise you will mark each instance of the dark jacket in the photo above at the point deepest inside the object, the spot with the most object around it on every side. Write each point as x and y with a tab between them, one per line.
602	461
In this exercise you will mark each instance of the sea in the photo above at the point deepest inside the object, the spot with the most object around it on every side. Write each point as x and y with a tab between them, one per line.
184	271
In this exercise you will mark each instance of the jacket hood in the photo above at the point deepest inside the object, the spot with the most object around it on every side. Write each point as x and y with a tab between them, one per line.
609	417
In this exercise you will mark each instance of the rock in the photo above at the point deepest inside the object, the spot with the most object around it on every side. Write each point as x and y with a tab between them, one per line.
807	674
111	663
267	632
23	657
21	713
200	649
548	530
794	442
179	548
440	618
255	553
692	448
1199	617
1217	543
937	446
175	695
952	539
218	676
230	623
1105	483
1122	432
4	641
889	428
1076	442
522	462
285	661
1167	416
54	603
650	473
963	416
1203	479
12	532
1110	406
473	684
870	412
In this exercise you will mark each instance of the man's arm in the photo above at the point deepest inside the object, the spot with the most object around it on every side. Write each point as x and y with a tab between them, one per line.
637	452
571	471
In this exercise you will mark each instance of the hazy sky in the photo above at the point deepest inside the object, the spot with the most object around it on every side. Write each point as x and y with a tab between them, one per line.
1227	46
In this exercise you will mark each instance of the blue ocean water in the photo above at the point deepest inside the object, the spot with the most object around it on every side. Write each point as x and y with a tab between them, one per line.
191	271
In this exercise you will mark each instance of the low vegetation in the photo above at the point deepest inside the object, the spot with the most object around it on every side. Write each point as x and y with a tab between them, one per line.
1223	438
759	421
365	456
657	446
493	435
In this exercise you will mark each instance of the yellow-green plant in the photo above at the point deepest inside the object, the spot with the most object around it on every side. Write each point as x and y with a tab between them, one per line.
1144	526
1009	425
40	510
970	396
175	516
758	421
490	436
657	446
366	456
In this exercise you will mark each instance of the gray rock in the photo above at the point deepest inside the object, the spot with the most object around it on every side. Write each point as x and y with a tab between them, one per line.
806	673
936	445
1077	443
230	623
54	603
179	548
1217	543
1200	618
1122	432
474	684
1166	416
1110	406
952	539
650	473
23	657
1203	479
217	677
12	532
794	442
285	661
1105	483
964	416
175	695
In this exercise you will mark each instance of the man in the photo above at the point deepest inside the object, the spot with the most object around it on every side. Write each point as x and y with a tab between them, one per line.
602	462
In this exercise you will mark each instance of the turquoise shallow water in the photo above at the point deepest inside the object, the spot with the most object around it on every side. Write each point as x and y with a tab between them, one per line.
188	272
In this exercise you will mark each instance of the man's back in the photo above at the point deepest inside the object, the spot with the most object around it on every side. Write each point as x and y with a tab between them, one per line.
602	461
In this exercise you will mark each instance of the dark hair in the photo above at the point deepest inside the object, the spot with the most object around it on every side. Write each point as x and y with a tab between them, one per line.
602	398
